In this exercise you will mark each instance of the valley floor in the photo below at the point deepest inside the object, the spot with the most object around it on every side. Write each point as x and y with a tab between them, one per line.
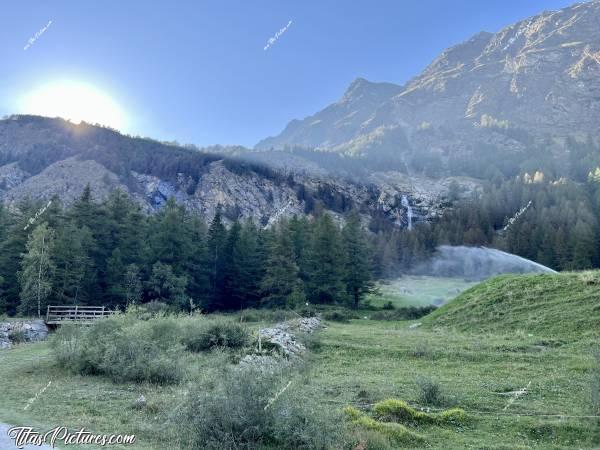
356	363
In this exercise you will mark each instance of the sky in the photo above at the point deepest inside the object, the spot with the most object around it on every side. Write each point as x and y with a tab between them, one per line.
198	72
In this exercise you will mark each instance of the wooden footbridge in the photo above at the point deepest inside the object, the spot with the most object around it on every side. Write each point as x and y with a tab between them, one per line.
57	315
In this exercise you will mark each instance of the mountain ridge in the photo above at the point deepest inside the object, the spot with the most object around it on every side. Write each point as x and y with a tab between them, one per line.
43	158
537	79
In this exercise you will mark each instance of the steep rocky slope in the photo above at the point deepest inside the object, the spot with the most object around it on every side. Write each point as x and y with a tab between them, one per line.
41	158
538	79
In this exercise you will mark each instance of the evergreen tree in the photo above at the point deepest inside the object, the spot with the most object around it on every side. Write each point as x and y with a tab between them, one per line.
133	285
217	236
164	286
281	285
74	278
325	270
357	259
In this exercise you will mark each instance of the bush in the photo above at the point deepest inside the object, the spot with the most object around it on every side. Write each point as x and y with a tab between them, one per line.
151	309
404	313
388	306
122	348
340	315
17	336
237	415
430	392
307	311
217	333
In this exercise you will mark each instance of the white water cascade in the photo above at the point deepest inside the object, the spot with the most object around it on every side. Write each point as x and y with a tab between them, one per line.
409	211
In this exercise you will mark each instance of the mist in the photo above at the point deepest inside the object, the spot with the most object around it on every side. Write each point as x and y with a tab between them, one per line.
476	263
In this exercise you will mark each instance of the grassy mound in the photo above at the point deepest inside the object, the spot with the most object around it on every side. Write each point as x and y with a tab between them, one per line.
564	306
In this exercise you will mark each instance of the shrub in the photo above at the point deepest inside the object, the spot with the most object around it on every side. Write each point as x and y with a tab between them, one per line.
340	315
217	333
388	306
430	392
122	348
307	311
17	336
236	415
404	313
151	309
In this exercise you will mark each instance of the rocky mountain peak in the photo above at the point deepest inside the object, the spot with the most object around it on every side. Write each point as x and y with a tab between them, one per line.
533	81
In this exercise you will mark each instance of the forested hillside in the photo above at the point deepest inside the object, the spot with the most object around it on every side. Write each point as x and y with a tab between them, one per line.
552	221
111	253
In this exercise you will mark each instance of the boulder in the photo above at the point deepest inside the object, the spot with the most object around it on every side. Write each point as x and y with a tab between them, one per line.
30	330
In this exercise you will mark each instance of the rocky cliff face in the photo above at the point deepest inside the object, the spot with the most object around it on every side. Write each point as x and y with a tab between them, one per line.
536	79
44	158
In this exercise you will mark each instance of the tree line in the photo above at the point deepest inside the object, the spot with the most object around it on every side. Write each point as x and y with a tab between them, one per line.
560	228
110	253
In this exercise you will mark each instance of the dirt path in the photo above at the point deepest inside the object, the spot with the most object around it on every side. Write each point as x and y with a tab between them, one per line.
6	443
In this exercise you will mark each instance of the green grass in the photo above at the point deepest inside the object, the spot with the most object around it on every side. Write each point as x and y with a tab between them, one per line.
562	307
497	337
364	362
418	290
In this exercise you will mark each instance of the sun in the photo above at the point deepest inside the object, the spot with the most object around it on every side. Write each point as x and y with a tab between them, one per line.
75	101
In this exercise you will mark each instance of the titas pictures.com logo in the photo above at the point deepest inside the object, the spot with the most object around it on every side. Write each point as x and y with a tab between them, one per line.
28	436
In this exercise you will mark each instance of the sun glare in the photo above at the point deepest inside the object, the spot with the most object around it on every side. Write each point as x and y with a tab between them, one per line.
74	101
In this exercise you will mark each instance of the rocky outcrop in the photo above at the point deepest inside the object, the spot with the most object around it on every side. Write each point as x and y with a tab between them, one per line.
281	337
22	331
50	157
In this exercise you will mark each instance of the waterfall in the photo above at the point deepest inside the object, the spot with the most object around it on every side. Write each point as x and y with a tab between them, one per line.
409	212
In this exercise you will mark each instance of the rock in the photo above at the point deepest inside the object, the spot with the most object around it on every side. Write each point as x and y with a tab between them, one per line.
285	341
31	331
415	325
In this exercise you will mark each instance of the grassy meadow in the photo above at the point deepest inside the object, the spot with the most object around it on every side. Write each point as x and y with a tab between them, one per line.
460	356
418	290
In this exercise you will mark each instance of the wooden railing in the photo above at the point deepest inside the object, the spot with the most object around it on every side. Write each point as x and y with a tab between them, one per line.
56	315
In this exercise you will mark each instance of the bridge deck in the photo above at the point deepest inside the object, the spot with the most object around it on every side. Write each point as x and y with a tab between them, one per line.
56	315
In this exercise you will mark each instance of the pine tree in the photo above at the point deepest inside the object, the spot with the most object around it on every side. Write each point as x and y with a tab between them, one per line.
357	259
74	278
115	278
325	271
166	287
217	236
197	263
281	285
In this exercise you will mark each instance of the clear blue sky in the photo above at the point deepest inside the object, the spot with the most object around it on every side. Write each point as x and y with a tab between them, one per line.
197	71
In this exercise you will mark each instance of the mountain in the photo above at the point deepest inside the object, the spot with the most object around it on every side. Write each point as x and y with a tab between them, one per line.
534	83
41	158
